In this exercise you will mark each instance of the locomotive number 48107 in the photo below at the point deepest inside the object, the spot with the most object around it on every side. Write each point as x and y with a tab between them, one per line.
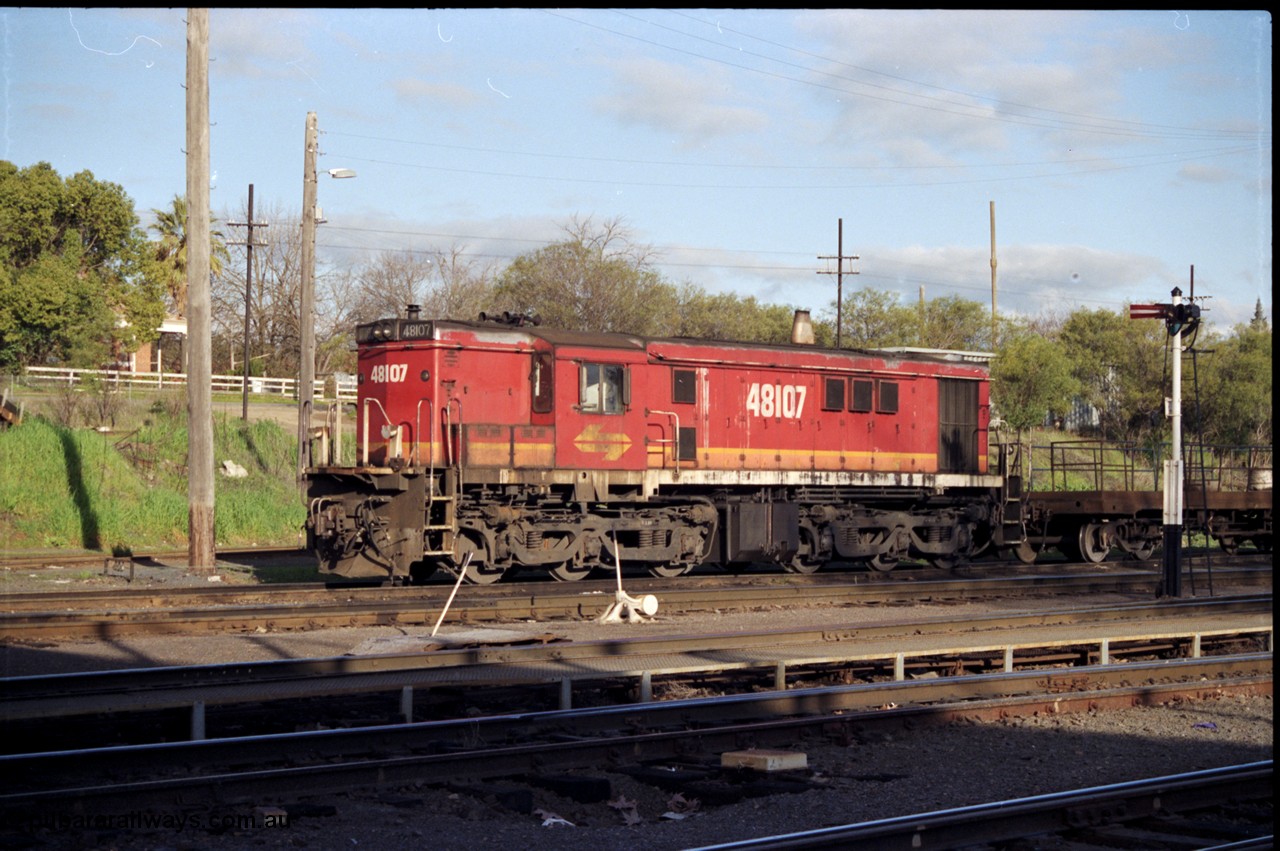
776	400
388	373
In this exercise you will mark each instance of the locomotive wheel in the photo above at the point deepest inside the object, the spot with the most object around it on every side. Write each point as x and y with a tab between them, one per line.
882	562
1094	543
470	555
804	561
802	565
669	571
569	572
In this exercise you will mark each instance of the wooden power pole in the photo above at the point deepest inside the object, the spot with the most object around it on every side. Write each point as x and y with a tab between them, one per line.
200	539
839	273
248	297
307	311
994	342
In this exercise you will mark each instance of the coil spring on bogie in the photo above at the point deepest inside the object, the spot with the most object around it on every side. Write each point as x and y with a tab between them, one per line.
533	539
648	537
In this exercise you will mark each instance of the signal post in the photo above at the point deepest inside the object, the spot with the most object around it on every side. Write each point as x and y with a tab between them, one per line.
1179	318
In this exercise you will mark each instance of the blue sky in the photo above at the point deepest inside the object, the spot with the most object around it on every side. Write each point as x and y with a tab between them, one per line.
1120	149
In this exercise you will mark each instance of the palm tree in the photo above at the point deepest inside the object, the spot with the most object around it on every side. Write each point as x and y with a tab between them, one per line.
171	250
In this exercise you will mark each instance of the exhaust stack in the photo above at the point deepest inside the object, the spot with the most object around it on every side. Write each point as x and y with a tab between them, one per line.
802	329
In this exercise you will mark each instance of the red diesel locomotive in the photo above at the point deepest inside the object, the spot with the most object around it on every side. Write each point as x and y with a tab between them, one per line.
497	445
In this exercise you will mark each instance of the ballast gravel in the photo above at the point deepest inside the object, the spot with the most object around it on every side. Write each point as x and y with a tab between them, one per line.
884	776
877	777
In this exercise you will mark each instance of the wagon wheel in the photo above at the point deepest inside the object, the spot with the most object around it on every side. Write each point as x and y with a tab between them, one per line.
1026	552
1095	542
1230	546
669	571
1263	543
1144	551
569	572
476	570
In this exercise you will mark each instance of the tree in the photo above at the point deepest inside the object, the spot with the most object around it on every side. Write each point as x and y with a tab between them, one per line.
952	322
277	281
1233	385
441	282
725	316
1121	365
74	287
874	319
1031	378
170	251
596	280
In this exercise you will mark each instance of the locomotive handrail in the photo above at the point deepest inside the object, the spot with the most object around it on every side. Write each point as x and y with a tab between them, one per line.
417	435
675	440
331	451
455	453
364	449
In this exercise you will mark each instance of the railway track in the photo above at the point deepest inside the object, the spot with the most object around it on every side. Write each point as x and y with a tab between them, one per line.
114	613
780	689
1229	807
482	671
283	770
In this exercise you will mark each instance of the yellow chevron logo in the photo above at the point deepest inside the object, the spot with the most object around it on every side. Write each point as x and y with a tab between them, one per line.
612	445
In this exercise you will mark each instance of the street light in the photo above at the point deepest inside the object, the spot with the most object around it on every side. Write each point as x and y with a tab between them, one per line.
306	318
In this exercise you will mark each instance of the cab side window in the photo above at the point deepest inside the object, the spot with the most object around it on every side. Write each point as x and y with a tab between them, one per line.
602	388
833	394
540	382
863	393
684	387
887	397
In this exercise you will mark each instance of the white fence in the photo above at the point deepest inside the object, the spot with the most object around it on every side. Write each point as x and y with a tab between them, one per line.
288	387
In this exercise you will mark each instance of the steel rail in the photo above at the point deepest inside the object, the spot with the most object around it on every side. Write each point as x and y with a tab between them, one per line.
892	587
547	601
1060	637
1039	816
171	775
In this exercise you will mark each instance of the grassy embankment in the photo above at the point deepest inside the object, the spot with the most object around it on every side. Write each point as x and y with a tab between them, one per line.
120	483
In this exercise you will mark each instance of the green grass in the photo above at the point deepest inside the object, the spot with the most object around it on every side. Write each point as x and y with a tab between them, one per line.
74	487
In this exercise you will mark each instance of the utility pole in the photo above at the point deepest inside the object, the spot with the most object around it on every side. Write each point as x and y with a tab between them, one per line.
306	318
200	538
993	276
839	273
248	295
